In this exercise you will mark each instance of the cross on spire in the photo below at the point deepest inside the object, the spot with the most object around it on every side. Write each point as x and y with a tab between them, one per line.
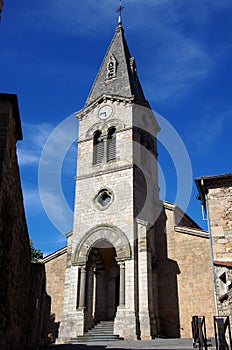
119	10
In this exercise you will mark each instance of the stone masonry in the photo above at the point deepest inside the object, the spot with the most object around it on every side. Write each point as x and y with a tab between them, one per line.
131	258
55	267
24	304
215	193
184	274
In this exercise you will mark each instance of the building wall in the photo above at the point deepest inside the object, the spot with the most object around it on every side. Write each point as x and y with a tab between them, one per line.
220	216
55	273
22	293
224	293
182	271
184	277
220	219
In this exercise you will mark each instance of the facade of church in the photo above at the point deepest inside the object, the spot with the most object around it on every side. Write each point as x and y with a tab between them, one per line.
131	258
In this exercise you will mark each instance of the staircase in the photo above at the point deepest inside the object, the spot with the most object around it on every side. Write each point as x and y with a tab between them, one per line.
103	331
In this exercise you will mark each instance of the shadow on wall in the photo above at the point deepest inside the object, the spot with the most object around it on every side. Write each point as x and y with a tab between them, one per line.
167	271
53	329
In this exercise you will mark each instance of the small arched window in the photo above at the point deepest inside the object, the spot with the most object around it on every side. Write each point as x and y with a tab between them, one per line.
98	147
111	144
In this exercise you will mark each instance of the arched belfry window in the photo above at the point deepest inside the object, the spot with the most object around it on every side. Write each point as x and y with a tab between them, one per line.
111	144
98	147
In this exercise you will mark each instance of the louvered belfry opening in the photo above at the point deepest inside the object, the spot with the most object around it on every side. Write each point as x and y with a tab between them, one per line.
98	148
111	144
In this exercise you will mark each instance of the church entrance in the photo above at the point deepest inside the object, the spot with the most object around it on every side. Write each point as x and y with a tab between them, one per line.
102	284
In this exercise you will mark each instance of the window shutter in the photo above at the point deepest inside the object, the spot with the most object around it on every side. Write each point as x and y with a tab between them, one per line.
98	148
111	144
99	152
111	149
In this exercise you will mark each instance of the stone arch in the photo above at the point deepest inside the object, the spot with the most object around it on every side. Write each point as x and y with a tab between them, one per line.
104	127
117	124
100	233
90	132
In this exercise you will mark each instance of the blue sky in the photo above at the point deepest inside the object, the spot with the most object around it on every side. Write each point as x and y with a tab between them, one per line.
51	52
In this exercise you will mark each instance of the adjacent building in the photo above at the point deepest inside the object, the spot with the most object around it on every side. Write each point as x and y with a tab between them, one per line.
24	304
215	193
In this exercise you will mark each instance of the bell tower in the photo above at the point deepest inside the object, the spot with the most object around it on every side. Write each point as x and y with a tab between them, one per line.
110	250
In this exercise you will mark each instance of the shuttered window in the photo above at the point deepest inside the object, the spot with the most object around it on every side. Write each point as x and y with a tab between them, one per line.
98	148
111	144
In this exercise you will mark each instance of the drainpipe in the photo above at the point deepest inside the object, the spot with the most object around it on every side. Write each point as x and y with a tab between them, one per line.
211	247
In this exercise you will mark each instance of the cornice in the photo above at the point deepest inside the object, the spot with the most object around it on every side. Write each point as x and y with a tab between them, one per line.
103	172
192	231
113	98
54	255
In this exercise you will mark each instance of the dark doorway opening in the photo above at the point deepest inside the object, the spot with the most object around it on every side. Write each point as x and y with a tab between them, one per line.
102	287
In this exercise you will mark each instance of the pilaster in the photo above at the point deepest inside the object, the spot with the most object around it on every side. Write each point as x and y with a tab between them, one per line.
70	323
126	320
146	317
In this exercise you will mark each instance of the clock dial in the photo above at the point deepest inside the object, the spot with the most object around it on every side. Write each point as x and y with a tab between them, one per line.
105	112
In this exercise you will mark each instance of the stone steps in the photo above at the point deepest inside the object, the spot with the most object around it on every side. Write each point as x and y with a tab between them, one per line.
103	331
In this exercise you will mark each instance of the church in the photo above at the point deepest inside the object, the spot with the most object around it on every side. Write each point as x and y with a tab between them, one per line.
132	261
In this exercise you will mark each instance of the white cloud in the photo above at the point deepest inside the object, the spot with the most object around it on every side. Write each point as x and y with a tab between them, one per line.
57	212
207	131
32	200
178	66
27	158
35	136
176	59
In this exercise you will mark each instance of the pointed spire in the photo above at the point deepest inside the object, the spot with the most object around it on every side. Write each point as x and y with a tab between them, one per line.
117	75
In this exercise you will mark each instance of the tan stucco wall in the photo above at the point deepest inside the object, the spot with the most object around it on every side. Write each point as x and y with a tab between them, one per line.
55	272
185	279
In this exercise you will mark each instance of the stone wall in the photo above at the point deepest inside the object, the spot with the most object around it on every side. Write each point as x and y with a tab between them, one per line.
19	282
41	306
55	266
220	219
220	216
182	271
224	291
184	276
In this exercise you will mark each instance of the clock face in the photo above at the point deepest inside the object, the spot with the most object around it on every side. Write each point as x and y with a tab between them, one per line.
105	112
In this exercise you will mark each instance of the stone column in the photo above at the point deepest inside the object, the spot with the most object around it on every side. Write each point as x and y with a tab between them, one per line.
94	294
105	147
122	284
80	324
144	281
82	287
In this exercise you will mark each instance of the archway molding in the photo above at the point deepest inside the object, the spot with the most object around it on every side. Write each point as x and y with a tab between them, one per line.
102	233
103	127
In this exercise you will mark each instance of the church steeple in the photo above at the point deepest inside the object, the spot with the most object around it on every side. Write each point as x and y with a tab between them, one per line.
116	201
117	75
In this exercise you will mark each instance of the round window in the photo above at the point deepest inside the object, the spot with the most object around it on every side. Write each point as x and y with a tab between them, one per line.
104	198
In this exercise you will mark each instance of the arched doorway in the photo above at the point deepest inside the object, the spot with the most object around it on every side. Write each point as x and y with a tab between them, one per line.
102	283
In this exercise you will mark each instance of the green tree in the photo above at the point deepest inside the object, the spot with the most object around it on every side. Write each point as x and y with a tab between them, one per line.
35	253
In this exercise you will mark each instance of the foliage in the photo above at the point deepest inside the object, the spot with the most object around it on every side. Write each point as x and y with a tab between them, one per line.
36	254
